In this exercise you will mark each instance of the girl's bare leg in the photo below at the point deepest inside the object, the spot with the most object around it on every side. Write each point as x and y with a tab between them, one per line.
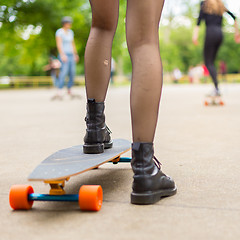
150	183
99	47
143	43
97	73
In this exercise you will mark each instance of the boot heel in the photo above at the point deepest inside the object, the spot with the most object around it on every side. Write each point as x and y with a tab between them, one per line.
108	144
151	197
144	199
93	148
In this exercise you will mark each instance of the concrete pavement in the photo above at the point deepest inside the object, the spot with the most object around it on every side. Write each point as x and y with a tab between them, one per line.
198	146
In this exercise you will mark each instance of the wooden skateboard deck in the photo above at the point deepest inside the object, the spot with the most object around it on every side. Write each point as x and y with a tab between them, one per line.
72	161
58	168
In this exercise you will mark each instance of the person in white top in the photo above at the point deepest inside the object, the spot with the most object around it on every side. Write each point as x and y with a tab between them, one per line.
67	53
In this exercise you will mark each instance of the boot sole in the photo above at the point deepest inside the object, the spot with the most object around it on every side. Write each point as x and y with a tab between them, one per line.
108	145
96	148
151	197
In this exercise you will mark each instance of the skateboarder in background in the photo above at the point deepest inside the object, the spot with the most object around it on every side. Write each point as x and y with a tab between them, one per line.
54	66
142	24
223	70
212	12
67	53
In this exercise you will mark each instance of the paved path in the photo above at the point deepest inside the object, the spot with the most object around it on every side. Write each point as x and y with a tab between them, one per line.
198	146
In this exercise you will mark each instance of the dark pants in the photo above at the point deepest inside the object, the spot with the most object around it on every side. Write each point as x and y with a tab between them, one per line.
213	41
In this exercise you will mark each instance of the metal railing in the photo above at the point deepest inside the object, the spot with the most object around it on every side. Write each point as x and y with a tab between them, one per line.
47	81
33	81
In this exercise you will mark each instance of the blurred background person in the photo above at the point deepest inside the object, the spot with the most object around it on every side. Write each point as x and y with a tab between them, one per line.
54	67
112	70
205	73
195	73
67	54
212	12
177	75
223	70
190	74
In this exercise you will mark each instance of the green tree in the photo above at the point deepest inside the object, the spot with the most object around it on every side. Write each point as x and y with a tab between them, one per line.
28	32
27	36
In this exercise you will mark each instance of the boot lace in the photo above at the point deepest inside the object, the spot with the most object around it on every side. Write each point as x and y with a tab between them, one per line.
157	163
108	129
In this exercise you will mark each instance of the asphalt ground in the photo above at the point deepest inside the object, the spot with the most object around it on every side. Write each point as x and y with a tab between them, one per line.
198	146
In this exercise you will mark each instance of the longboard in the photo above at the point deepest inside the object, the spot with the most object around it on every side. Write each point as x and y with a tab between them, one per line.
56	169
213	100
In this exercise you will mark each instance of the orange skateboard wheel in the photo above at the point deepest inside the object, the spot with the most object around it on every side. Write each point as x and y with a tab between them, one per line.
221	103
206	103
90	197
18	197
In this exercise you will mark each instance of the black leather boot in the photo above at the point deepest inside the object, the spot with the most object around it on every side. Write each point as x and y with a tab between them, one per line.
97	136
150	183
